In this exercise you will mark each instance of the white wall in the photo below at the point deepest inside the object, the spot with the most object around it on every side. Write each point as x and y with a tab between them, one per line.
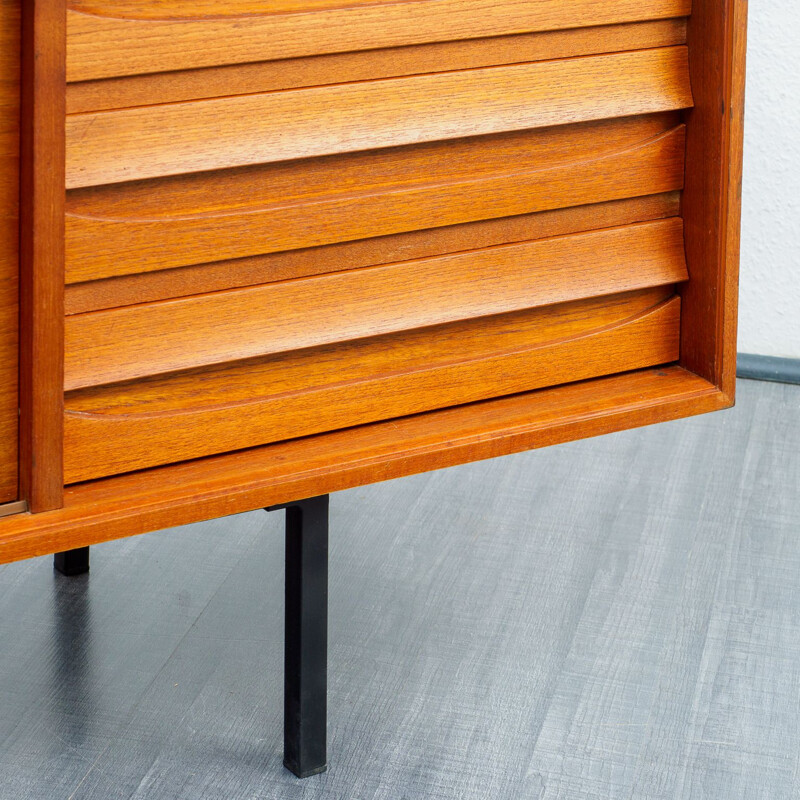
769	322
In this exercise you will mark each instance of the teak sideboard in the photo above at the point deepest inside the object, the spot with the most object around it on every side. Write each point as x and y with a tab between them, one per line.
257	251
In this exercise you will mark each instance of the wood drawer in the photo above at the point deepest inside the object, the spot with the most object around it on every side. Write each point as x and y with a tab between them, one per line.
302	356
123	344
177	138
122	427
146	226
109	38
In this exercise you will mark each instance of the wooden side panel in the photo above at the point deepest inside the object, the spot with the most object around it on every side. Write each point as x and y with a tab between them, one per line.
712	198
42	253
122	344
9	246
344	386
107	39
169	139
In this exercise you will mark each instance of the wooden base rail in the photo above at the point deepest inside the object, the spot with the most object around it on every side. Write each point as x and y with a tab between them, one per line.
111	508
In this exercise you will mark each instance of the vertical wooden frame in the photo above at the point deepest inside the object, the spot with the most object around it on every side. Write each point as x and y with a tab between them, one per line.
42	185
9	248
712	195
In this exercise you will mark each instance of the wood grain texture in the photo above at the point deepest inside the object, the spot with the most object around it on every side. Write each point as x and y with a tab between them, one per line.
454	371
390	62
354	385
712	198
111	508
184	281
107	46
369	171
247	180
9	247
176	222
295	372
42	253
176	138
122	344
203	9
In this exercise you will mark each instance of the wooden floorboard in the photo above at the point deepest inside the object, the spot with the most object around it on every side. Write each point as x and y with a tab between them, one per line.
612	618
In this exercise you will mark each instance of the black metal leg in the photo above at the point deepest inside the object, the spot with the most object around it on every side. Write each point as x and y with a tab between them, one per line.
72	562
306	637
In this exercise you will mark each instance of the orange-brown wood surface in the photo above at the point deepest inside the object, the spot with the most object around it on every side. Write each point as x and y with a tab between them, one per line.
712	200
268	76
176	222
120	344
199	9
343	363
108	39
345	386
108	509
343	241
9	245
202	278
370	171
42	254
177	138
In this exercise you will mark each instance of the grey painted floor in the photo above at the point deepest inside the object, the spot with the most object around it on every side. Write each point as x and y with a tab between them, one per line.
616	618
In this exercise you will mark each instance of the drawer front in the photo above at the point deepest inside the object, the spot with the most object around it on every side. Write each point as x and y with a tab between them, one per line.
336	213
194	136
122	344
122	427
231	214
108	38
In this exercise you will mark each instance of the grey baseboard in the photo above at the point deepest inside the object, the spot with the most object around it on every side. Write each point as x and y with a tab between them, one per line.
768	368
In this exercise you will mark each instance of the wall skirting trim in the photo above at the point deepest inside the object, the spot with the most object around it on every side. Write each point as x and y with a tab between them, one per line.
768	368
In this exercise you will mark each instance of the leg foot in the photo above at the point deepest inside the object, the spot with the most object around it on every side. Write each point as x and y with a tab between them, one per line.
306	637
72	562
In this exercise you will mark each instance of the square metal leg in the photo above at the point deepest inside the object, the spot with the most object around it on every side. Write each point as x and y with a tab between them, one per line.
306	637
72	562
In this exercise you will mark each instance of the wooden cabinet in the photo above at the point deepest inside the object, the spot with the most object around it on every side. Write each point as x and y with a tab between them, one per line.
276	249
